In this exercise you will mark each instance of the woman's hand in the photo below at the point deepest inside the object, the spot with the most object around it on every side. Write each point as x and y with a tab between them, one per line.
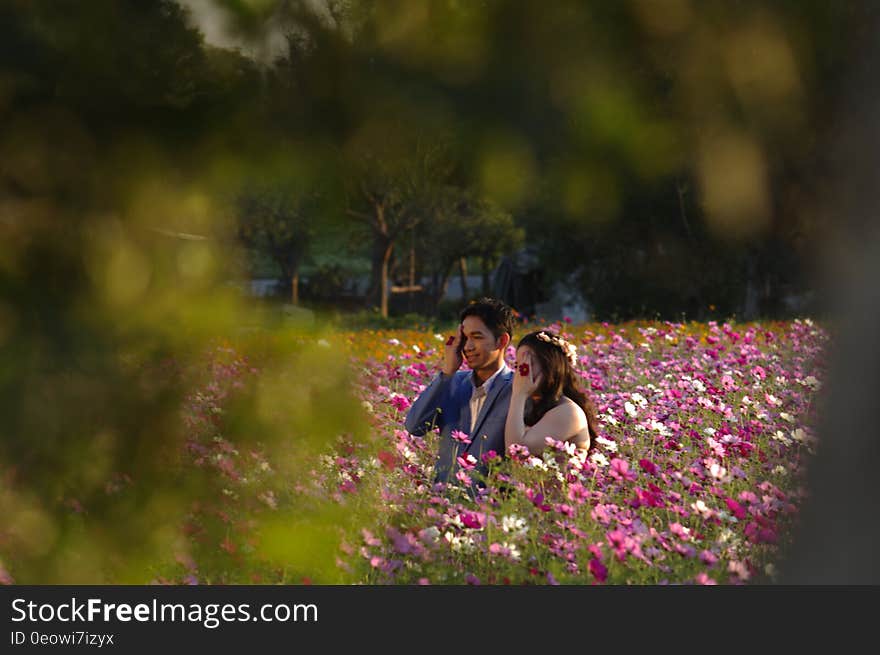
525	378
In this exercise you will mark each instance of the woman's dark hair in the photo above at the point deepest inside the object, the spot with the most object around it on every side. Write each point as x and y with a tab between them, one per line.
558	379
497	316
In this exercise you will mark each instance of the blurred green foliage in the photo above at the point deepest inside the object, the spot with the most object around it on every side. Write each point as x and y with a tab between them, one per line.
669	154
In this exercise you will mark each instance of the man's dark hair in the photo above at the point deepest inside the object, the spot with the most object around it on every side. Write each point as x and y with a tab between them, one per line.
497	316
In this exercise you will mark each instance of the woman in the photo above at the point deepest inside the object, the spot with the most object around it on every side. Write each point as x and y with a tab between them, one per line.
546	400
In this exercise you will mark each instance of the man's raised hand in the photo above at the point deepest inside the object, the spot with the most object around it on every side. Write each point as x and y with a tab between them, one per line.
452	358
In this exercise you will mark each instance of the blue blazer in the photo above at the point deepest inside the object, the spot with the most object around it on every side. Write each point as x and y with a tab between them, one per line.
445	403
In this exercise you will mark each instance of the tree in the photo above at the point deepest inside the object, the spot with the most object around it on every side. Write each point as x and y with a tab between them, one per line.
390	192
461	224
281	221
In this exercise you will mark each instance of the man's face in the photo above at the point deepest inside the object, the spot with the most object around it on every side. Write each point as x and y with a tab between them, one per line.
481	349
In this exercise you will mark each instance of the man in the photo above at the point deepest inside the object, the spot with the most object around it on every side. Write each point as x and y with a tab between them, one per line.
473	402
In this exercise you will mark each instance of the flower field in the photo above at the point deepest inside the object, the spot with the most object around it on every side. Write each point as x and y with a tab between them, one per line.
299	470
696	478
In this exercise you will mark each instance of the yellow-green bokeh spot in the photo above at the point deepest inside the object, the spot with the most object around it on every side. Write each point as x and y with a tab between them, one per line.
508	170
306	546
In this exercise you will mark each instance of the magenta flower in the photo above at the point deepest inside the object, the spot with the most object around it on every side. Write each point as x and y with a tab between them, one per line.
598	570
472	520
647	466
400	402
737	509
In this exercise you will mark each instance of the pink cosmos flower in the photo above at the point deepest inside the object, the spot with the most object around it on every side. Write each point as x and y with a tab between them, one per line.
518	452
578	493
460	437
620	468
708	558
369	539
680	531
400	402
565	510
600	514
704	579
467	462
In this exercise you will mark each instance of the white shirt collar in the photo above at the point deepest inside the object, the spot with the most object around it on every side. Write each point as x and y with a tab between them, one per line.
488	383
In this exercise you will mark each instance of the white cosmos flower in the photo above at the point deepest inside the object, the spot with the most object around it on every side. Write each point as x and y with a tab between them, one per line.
717	471
607	444
640	399
813	383
785	416
609	419
630	408
698	386
537	463
515	525
702	509
599	459
781	438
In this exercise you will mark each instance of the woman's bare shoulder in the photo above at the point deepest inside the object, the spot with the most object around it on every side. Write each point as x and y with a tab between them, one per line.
569	409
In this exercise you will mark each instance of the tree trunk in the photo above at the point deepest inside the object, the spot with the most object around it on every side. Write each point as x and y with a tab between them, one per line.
412	272
383	288
289	264
440	289
383	245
